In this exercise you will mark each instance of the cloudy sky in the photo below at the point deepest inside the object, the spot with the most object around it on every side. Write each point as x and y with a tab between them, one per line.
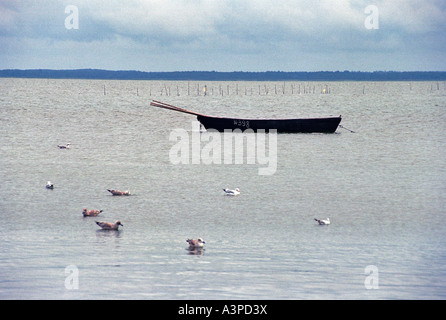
224	35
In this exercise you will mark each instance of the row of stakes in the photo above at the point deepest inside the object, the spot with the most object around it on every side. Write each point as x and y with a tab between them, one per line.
292	89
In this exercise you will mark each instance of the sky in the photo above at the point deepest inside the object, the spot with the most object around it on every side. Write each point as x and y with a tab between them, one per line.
224	35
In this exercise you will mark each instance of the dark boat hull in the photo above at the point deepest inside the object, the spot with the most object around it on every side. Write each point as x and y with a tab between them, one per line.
309	125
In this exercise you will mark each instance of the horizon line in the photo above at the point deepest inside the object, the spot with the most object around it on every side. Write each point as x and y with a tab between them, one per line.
216	71
104	74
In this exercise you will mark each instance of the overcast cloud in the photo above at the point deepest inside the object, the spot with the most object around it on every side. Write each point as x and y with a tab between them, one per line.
224	35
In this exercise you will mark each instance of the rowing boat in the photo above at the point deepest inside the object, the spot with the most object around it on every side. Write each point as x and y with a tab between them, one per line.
300	125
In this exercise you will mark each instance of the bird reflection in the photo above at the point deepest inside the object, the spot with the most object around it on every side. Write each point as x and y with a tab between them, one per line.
196	251
108	233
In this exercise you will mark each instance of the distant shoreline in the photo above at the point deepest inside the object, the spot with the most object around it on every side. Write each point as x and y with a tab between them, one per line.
99	74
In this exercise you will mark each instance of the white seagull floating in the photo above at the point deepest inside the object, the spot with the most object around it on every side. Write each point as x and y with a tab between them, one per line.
49	185
195	244
230	192
108	225
322	222
61	146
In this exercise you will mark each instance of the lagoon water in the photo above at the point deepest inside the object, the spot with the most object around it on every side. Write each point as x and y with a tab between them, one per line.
383	187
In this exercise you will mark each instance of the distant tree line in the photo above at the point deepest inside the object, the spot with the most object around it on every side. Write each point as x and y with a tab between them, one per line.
227	76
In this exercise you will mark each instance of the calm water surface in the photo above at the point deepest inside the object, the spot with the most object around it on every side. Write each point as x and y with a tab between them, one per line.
383	188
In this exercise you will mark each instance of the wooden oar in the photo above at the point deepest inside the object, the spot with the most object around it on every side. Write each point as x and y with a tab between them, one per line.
167	106
164	105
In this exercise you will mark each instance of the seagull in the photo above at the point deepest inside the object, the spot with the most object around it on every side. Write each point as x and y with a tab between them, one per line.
195	244
67	146
91	213
108	225
323	222
230	192
119	193
49	185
